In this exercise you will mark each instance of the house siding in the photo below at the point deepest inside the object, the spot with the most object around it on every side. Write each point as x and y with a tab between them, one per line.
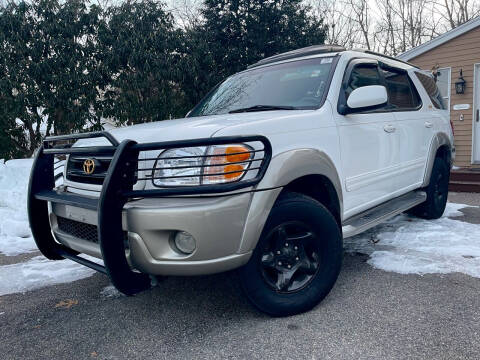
462	52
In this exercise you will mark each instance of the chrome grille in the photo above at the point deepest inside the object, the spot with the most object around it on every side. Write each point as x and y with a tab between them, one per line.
76	173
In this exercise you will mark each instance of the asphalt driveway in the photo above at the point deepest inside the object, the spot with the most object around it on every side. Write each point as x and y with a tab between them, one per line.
370	314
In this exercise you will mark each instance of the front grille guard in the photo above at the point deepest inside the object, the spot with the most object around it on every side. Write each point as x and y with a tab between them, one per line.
117	190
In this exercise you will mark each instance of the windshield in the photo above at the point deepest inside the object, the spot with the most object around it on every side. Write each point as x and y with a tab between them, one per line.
289	86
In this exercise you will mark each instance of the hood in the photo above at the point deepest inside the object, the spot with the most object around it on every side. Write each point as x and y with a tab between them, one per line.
195	127
192	128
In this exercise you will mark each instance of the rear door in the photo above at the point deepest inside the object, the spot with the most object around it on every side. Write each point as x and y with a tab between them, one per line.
368	142
414	128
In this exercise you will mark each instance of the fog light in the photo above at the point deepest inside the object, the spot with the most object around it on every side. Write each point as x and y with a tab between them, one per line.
185	242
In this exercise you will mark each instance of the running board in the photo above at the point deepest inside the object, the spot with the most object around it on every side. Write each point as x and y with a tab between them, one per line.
372	217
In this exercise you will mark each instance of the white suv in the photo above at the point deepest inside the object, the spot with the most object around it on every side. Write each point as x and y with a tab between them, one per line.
266	174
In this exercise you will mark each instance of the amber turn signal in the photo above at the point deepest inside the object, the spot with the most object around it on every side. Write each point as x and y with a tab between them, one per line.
233	171
227	163
237	153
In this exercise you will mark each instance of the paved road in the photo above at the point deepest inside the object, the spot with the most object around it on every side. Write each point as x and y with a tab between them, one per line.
370	314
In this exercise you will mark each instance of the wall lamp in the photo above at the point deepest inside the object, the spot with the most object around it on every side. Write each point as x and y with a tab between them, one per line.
460	84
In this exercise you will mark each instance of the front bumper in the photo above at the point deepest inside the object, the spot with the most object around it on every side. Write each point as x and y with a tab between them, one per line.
216	223
149	223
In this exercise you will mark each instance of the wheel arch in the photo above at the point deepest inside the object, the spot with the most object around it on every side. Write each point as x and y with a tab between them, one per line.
308	171
320	188
441	146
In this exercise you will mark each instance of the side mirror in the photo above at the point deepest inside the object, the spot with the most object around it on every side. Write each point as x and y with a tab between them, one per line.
367	97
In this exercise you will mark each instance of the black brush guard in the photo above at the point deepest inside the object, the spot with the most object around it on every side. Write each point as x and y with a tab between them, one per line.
117	190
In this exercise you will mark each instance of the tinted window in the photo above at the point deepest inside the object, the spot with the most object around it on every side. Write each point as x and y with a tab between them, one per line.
363	75
432	90
298	84
402	94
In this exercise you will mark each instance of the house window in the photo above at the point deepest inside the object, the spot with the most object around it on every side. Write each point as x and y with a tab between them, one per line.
443	83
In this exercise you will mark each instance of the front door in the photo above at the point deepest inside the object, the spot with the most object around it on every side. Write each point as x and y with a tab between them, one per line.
368	143
476	116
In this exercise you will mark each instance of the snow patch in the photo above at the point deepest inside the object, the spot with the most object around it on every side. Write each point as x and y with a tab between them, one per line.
39	272
12	246
15	235
111	292
453	210
409	245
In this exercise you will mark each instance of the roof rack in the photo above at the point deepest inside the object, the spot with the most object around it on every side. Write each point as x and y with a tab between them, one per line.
306	51
386	56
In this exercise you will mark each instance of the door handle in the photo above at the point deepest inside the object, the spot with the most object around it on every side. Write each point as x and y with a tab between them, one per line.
428	124
478	115
389	128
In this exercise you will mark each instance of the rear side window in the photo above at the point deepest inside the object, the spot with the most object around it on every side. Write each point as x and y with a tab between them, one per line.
362	75
432	90
402	94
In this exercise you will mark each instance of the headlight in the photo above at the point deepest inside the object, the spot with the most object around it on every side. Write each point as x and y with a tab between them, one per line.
202	165
179	167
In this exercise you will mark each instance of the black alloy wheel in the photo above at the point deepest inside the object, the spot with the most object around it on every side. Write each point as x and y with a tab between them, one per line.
440	189
291	257
297	258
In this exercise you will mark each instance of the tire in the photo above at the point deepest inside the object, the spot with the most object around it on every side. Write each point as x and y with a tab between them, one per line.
297	259
437	192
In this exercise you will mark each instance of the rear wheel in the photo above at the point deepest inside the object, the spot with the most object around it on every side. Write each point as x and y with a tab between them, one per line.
297	259
437	192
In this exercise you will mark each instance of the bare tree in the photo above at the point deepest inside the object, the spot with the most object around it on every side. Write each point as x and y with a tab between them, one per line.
391	26
186	12
341	30
348	21
457	12
403	24
386	27
362	17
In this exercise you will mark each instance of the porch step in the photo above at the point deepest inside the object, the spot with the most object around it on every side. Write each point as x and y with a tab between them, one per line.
464	186
465	175
382	212
465	180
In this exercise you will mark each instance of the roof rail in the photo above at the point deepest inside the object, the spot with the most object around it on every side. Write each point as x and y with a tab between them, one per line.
306	51
386	56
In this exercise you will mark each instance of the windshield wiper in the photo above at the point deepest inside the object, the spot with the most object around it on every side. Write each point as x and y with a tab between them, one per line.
262	108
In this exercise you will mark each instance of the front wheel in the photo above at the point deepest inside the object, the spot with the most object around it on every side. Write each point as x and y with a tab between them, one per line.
297	259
